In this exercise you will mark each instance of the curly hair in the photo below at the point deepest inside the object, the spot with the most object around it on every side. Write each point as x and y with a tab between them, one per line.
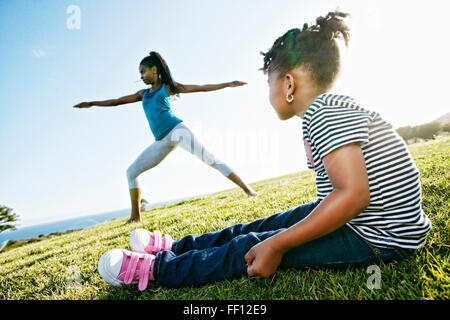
313	47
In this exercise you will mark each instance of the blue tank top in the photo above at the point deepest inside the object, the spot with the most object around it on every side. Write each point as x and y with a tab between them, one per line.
157	110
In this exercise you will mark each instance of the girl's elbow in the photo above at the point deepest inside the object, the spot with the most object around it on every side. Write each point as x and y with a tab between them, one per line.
361	198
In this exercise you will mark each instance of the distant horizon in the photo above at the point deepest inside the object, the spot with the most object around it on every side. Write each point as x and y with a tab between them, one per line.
19	230
80	215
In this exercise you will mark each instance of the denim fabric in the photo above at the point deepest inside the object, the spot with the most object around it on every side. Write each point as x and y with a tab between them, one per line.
200	259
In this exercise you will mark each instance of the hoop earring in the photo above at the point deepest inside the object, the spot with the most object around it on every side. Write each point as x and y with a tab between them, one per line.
289	98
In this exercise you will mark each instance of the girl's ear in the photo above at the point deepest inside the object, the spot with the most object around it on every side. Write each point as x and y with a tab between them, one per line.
289	84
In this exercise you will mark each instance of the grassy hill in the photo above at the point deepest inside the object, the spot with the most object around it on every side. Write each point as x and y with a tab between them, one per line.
445	118
65	266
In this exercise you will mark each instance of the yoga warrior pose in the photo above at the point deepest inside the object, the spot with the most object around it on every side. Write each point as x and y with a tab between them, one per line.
368	207
168	130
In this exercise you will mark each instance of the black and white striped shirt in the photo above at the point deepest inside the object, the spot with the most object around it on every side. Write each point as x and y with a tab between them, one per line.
394	216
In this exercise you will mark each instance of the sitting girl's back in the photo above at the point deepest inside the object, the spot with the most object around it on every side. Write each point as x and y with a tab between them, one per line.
394	216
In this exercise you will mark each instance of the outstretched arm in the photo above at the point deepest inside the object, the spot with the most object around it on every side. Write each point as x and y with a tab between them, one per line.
135	97
188	88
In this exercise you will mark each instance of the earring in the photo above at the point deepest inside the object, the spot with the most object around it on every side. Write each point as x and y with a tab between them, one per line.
289	98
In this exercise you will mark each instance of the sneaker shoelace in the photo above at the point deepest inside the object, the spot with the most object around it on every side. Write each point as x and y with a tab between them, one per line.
142	263
158	243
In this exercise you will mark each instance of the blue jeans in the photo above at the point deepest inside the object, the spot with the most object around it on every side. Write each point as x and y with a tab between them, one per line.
196	260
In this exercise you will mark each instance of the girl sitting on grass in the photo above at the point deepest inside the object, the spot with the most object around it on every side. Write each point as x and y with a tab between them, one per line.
368	205
169	131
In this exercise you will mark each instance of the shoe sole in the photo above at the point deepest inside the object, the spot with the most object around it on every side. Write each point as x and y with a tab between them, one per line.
103	269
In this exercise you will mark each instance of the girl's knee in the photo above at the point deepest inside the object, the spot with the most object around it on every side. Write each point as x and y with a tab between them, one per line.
132	178
130	173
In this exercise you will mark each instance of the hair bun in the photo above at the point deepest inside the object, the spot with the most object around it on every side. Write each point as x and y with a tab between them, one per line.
332	26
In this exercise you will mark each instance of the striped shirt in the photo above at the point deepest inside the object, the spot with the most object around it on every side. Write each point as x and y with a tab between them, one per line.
394	216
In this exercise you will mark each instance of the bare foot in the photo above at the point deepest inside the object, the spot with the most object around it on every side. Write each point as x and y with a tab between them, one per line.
251	193
132	220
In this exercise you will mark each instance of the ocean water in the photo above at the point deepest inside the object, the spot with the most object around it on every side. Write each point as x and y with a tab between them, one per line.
76	223
62	226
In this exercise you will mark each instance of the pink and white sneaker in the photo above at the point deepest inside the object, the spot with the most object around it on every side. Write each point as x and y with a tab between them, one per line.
144	241
120	266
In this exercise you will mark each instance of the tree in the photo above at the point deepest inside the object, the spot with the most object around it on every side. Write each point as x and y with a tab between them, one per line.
446	127
7	218
428	130
406	133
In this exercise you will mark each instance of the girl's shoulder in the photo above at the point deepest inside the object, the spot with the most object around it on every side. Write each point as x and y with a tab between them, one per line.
328	107
168	90
331	99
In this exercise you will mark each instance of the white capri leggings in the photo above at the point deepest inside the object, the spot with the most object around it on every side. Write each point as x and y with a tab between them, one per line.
179	136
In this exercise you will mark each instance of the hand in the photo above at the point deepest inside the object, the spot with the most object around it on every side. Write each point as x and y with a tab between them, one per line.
83	105
236	84
263	260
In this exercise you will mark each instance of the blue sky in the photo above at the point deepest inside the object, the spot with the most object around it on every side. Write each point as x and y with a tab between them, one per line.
58	162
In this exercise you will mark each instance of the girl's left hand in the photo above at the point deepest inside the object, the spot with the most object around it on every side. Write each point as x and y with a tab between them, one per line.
263	260
237	84
83	105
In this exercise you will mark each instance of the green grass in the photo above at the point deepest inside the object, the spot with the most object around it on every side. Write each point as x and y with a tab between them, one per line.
42	270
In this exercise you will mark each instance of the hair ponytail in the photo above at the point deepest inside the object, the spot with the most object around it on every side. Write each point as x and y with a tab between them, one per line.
155	59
